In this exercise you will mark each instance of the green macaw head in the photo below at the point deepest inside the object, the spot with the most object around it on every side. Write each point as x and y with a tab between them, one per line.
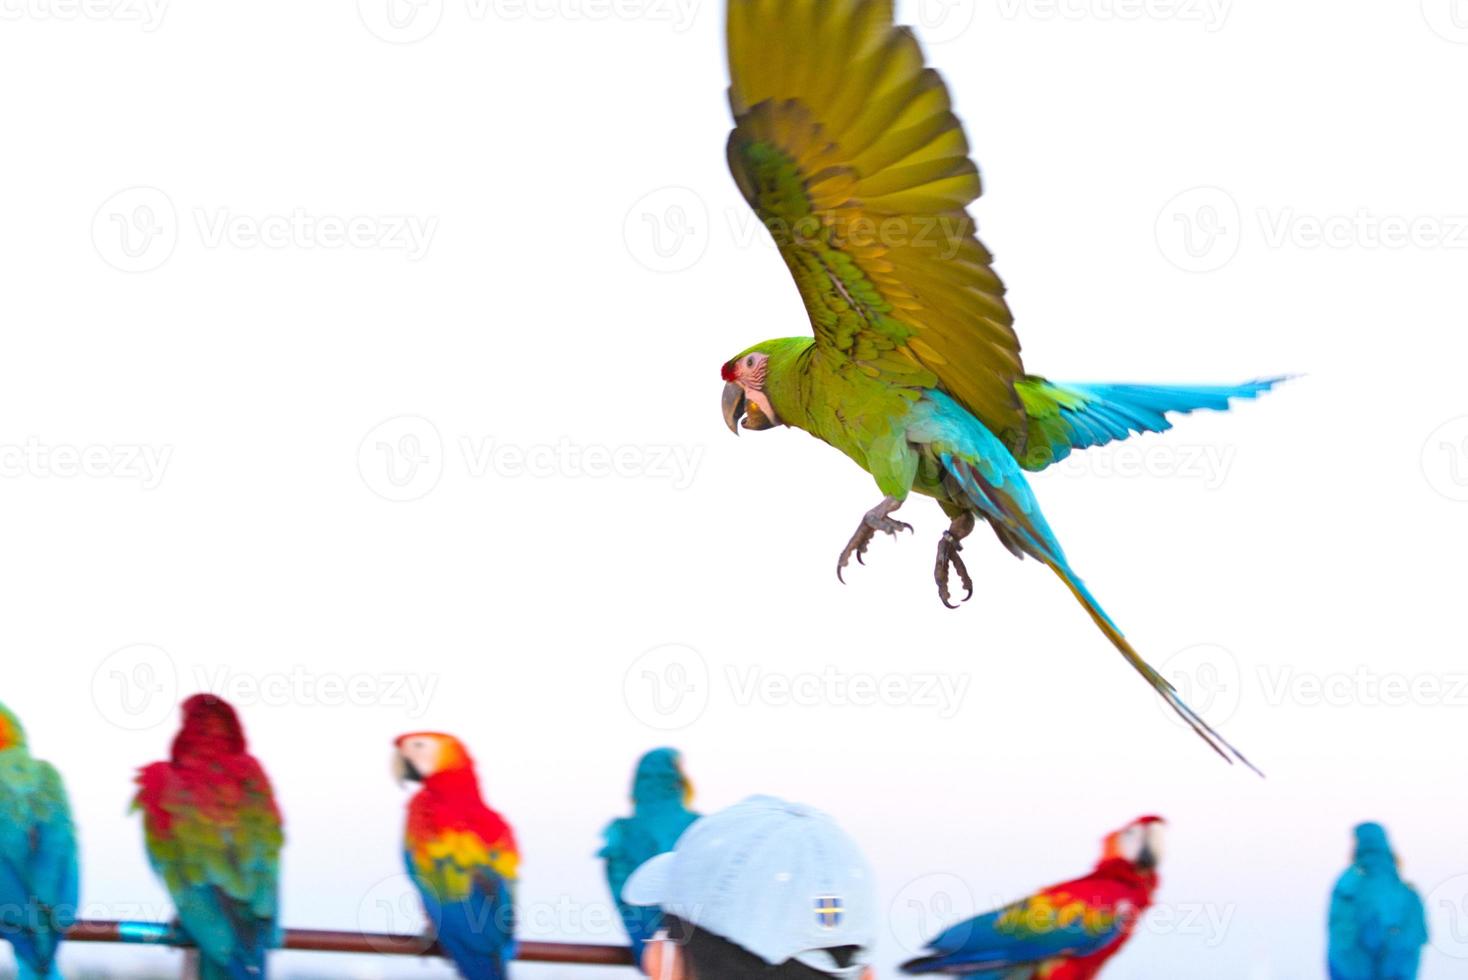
748	377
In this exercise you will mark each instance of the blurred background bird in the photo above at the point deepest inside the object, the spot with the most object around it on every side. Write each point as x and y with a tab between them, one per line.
460	854
38	857
847	149
661	793
1067	932
1377	923
214	835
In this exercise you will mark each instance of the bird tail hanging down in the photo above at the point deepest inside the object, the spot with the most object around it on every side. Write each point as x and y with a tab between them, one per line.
1159	683
1005	500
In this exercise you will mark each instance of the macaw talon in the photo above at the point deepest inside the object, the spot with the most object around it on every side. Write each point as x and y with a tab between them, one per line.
874	520
948	548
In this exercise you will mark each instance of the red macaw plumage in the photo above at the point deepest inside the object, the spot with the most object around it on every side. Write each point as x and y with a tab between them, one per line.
461	855
1065	932
214	835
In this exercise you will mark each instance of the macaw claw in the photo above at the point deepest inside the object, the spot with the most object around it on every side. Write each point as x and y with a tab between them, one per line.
876	519
948	548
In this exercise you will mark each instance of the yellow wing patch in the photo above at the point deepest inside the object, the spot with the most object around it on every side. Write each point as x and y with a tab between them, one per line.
846	147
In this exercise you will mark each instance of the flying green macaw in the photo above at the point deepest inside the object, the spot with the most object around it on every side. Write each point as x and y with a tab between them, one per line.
846	148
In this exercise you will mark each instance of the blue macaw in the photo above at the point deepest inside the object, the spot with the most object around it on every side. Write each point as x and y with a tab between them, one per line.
38	859
1377	923
660	797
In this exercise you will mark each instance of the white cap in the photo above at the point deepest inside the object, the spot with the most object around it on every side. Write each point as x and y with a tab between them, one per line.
778	879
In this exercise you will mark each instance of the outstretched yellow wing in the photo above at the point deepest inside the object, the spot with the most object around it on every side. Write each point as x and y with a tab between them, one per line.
846	147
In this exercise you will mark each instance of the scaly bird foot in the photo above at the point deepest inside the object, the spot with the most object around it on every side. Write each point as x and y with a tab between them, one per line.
948	549
876	519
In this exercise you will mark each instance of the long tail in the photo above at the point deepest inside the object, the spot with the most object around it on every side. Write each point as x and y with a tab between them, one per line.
1006	500
1159	683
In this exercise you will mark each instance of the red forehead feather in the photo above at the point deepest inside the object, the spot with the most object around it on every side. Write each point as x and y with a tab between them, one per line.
727	371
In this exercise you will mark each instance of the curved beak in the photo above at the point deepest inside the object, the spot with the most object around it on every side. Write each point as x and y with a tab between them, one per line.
734	406
404	771
1152	846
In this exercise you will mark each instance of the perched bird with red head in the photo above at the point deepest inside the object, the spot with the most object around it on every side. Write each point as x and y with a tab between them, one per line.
214	835
460	854
1066	932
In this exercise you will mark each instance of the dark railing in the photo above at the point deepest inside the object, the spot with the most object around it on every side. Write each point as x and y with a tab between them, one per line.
327	941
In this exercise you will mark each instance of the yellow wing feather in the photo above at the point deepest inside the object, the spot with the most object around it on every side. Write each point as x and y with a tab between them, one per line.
847	148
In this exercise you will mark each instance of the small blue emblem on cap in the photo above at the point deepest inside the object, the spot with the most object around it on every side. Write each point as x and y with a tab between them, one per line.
830	912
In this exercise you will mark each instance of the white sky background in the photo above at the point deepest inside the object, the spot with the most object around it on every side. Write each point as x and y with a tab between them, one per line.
1287	546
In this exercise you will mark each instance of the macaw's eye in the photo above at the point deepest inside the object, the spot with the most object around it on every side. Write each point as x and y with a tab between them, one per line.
749	361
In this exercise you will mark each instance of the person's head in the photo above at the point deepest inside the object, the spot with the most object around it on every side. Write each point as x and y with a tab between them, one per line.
765	889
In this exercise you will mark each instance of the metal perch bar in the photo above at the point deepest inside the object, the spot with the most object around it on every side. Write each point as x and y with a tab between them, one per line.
327	941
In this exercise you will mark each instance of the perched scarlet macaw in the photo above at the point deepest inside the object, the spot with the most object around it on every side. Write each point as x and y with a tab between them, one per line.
1067	932
460	854
214	836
